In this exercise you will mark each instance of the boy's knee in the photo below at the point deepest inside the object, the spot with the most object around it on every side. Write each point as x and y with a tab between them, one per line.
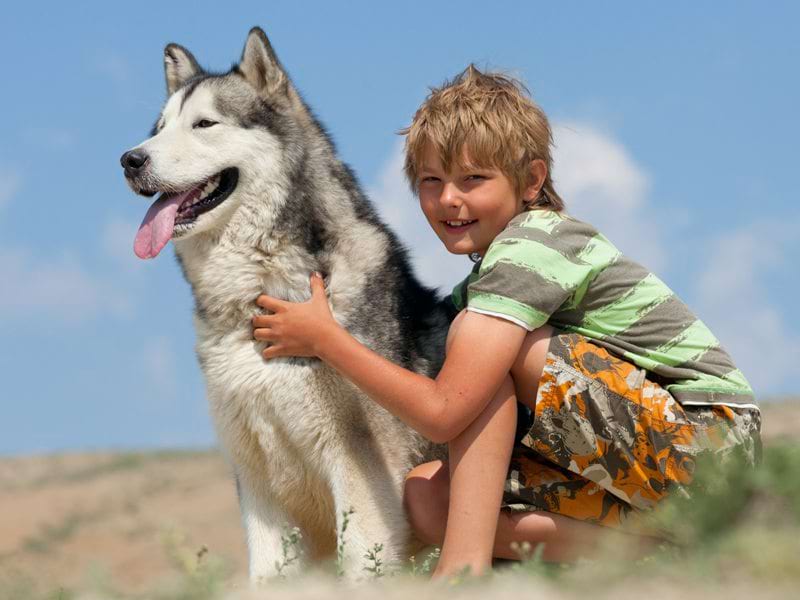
425	498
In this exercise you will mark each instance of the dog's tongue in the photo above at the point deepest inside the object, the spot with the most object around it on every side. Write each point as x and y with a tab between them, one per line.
156	228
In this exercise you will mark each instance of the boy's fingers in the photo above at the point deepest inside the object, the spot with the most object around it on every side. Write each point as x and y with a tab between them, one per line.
263	334
317	284
269	302
272	352
262	320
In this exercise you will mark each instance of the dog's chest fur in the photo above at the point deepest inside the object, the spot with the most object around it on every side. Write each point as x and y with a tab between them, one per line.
287	409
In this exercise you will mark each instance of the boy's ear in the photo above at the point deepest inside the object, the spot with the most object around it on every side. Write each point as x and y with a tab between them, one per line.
179	67
260	65
538	175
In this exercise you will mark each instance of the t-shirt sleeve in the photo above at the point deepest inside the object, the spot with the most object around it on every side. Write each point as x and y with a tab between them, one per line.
458	298
525	277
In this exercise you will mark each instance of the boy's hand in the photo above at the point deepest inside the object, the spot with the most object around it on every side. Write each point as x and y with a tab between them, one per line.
294	328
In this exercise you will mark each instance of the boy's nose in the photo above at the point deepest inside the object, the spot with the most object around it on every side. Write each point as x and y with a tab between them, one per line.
451	195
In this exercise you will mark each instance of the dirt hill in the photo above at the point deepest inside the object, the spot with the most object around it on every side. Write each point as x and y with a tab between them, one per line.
77	520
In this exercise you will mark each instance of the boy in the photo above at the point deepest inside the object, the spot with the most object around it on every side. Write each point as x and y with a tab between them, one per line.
624	386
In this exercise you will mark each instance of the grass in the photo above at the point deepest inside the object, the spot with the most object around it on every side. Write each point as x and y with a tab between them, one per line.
739	532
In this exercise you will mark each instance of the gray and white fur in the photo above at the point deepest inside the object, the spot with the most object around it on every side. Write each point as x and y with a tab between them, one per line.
304	443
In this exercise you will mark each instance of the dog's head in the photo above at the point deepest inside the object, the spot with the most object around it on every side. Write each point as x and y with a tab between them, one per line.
217	135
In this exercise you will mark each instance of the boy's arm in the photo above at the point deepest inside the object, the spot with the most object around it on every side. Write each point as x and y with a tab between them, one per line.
478	360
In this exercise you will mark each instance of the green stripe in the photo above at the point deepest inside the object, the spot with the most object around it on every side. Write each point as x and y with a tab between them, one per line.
630	307
546	220
704	382
500	304
643	361
738	378
548	263
599	252
707	385
692	342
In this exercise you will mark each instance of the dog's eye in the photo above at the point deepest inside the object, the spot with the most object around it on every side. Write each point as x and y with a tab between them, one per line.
202	123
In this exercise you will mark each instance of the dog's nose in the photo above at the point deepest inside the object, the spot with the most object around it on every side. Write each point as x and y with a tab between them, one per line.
133	161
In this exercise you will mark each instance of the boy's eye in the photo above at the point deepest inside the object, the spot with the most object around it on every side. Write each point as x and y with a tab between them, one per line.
428	179
475	177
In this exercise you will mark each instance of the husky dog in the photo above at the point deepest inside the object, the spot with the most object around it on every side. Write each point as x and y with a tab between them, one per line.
254	199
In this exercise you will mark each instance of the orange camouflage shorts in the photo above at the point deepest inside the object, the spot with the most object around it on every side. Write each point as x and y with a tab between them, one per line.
605	442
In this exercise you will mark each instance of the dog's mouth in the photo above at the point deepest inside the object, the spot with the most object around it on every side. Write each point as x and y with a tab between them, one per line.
174	213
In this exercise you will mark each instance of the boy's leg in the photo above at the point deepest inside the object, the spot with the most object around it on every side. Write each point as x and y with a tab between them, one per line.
479	459
437	493
427	497
478	465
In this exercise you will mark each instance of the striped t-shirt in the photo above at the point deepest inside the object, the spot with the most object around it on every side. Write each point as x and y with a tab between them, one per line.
547	267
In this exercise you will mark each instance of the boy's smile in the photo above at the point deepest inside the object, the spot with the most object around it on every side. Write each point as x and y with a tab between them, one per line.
468	206
458	226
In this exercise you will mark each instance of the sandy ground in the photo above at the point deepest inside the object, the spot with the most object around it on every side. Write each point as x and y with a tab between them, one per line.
131	518
136	519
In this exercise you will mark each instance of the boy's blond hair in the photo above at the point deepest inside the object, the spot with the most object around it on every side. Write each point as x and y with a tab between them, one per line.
492	116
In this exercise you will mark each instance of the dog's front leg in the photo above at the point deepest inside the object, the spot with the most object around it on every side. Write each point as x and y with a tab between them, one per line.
265	521
370	502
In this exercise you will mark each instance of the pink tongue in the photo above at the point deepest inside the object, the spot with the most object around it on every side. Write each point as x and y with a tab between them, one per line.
156	228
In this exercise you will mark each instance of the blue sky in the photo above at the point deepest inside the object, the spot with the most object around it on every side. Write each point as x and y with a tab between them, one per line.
676	127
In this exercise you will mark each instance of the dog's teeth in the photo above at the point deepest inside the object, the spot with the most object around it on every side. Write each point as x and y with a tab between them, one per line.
209	187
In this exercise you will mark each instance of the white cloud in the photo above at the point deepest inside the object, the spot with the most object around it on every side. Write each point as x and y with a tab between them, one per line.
602	184
60	288
734	302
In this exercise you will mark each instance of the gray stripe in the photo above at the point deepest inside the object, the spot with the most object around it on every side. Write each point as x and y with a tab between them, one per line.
714	361
609	285
523	285
573	227
712	397
569	244
661	324
566	318
676	373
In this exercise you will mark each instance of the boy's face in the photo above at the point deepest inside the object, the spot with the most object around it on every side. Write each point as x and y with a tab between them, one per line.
466	208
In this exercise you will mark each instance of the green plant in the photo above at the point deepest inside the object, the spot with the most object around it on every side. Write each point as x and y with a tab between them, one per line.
376	568
290	550
346	514
427	564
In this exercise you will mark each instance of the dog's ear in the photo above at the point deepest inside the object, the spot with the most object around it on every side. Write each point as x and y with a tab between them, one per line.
179	67
260	65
